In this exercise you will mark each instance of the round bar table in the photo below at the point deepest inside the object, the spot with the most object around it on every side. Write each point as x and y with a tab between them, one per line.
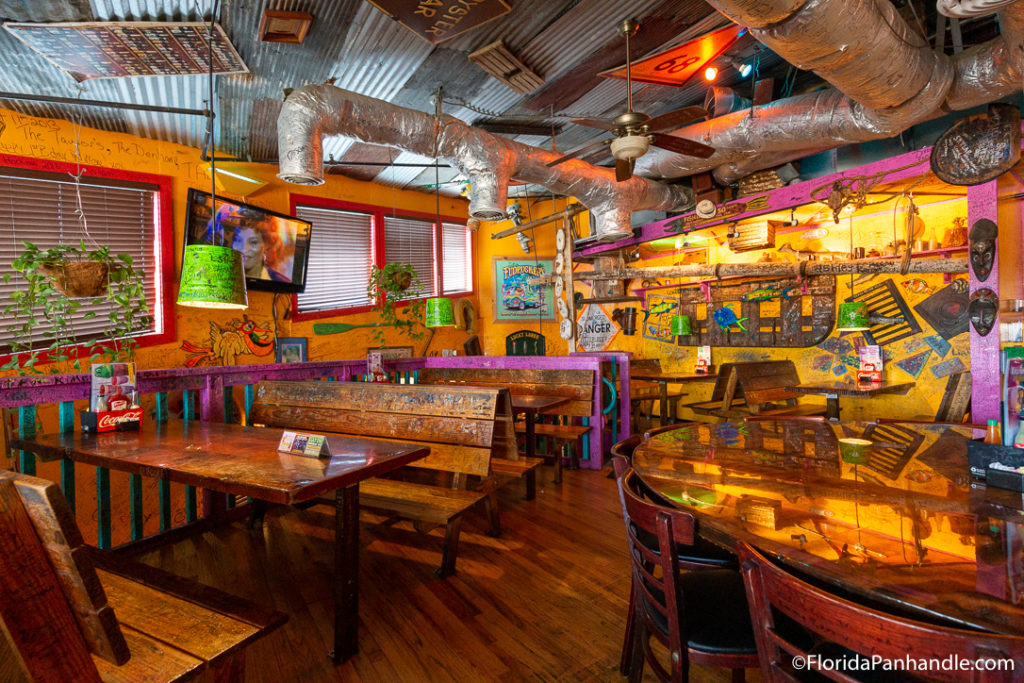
902	524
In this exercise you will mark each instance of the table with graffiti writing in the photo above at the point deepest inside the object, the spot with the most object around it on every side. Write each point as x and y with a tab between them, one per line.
245	461
901	523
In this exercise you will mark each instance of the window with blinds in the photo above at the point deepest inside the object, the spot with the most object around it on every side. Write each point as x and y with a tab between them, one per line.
455	258
42	208
410	240
339	259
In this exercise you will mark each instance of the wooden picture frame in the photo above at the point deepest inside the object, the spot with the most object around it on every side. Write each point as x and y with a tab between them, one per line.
291	350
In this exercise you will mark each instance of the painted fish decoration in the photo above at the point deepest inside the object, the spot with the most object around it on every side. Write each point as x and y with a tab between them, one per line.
917	286
768	293
920	476
658	309
815	234
726	318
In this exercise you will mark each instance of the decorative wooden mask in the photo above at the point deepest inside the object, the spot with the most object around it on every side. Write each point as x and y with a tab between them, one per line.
983	247
982	310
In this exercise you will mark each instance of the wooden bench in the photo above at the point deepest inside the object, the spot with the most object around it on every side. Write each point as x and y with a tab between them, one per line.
756	389
74	613
577	385
464	427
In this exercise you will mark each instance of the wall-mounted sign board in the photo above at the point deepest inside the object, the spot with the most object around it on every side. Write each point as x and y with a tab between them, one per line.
122	49
679	64
438	20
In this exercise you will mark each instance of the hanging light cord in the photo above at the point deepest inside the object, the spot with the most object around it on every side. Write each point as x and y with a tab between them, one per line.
210	127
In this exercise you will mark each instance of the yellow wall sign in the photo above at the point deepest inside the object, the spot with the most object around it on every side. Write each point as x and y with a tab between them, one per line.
678	65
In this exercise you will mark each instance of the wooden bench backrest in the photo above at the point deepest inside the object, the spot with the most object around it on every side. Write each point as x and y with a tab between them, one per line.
766	381
645	365
956	400
577	385
55	609
725	384
464	426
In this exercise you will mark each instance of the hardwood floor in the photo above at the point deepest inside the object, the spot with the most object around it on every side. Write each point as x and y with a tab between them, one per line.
545	601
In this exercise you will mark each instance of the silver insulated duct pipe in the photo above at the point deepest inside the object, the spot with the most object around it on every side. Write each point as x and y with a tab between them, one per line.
886	77
489	161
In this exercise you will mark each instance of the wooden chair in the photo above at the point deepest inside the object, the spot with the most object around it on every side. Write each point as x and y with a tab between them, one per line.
699	616
792	418
845	629
58	599
643	395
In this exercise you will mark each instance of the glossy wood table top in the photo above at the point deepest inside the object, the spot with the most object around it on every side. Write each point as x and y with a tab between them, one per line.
905	525
531	404
670	377
228	458
852	388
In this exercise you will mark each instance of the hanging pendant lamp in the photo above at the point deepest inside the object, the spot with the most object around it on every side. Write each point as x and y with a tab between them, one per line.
212	275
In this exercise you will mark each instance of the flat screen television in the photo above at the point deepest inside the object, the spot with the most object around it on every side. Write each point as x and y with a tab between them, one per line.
274	246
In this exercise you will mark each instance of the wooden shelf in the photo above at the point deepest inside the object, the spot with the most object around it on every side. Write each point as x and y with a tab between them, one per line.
613	300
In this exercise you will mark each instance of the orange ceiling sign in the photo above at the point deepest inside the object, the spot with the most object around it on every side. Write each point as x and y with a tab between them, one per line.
678	65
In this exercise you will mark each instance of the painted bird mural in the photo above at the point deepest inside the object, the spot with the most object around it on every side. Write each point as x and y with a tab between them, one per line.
240	337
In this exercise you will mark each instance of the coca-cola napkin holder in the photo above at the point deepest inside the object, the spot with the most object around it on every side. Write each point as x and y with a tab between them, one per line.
128	420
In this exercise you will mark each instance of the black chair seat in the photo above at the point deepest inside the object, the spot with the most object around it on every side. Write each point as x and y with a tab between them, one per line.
715	612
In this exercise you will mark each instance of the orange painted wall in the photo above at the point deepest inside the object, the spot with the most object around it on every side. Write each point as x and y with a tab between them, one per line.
53	139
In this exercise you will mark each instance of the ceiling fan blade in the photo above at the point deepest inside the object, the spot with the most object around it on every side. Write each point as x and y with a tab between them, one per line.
681	145
675	118
603	124
579	152
623	169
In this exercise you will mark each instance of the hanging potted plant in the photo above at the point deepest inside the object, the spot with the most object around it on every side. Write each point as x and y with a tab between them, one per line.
57	283
394	283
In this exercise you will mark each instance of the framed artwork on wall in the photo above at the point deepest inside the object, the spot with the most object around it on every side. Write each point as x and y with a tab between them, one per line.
292	350
514	299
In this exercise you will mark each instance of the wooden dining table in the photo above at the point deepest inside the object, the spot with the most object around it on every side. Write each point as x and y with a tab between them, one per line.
245	461
833	390
664	379
902	525
529	405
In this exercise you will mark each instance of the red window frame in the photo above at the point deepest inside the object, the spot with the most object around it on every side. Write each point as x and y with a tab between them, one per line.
163	246
377	247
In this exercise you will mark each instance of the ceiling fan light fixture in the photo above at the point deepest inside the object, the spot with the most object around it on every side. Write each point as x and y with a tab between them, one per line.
630	147
710	73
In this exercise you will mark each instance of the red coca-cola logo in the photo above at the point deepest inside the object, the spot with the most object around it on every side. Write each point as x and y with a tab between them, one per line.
109	421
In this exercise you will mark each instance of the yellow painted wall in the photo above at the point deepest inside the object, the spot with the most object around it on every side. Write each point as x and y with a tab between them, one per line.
873	227
53	139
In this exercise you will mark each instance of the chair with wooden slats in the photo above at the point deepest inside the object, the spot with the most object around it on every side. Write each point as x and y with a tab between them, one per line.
59	598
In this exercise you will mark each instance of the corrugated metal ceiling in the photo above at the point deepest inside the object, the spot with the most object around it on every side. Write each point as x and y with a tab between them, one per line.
361	49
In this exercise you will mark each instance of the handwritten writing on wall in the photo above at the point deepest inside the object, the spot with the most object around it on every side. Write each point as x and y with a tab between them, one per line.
54	140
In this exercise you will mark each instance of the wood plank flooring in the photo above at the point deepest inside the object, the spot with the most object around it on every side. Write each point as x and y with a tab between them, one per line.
545	601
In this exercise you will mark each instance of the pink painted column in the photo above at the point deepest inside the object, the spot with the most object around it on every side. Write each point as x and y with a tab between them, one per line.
985	387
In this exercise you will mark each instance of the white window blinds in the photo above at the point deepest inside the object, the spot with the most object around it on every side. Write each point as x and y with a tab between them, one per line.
339	259
455	258
408	240
42	208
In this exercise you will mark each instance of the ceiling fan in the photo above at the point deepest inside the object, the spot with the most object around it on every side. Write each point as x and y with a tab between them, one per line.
635	131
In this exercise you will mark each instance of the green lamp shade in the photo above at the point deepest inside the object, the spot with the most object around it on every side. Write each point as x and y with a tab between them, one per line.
681	325
855	451
853	316
212	277
439	312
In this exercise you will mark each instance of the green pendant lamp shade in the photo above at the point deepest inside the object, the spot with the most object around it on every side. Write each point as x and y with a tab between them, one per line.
681	325
853	317
212	277
439	312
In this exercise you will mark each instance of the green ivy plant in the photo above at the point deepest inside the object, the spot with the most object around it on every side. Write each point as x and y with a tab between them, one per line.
43	303
394	283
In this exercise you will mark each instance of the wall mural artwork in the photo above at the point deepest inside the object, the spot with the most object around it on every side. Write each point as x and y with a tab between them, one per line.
515	298
657	317
776	312
225	344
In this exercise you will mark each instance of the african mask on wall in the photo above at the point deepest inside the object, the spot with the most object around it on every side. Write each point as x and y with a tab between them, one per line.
983	247
982	310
